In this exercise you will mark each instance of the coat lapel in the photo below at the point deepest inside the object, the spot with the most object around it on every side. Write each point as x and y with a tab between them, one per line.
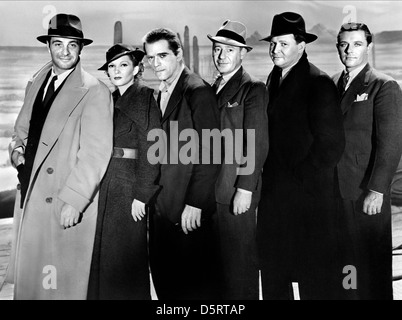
65	102
358	85
177	95
231	88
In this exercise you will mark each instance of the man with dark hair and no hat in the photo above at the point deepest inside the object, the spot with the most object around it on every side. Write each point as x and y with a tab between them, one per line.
296	225
371	103
61	146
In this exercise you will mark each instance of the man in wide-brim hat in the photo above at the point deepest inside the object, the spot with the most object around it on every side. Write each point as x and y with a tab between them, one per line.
296	220
61	146
242	101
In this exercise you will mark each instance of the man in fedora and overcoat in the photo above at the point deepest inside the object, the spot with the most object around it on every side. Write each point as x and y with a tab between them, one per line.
296	224
371	103
61	146
242	102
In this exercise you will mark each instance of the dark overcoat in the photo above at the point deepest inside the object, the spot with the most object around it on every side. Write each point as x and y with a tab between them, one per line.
120	259
296	224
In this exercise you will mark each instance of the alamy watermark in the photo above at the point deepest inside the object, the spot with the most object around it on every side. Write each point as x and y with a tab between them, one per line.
236	146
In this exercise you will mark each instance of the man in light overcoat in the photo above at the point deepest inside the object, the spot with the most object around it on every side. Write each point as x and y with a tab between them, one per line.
61	146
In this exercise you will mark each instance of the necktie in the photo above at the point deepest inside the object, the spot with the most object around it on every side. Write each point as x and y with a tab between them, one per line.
217	83
345	80
50	91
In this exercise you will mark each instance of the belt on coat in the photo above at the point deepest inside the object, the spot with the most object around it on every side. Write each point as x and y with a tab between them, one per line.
125	153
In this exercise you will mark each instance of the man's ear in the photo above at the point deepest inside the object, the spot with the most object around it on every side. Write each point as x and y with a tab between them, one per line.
243	52
302	46
179	55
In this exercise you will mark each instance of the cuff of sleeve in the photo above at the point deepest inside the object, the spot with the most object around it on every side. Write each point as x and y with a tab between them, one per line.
377	192
74	199
244	191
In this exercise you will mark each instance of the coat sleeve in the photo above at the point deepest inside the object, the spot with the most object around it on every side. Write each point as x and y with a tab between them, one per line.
96	142
256	120
205	115
146	173
388	139
326	124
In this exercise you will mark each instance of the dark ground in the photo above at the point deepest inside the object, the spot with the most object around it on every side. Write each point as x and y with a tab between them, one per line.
7	199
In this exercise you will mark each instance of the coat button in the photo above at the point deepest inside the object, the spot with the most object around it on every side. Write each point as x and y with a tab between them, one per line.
49	200
50	170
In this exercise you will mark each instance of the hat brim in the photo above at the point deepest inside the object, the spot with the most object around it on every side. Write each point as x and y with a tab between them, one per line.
229	42
138	55
308	36
45	38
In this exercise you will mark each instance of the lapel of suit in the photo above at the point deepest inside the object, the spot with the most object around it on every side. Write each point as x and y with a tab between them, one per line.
231	88
63	105
177	95
358	85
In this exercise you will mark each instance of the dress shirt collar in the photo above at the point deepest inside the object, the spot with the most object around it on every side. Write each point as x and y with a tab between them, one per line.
353	74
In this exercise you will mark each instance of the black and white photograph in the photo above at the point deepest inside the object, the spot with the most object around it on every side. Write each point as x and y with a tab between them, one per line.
201	155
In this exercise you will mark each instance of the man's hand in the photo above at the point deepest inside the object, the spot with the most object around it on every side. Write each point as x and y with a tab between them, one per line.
241	202
69	216
190	219
373	203
138	210
17	158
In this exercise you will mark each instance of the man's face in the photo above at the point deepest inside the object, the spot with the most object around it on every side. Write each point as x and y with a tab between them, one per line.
284	50
163	61
353	49
227	58
65	53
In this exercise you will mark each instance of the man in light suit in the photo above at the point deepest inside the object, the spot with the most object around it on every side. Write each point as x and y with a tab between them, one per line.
296	222
371	104
61	147
242	101
181	234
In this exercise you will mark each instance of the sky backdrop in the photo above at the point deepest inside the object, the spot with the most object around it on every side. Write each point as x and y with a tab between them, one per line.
22	21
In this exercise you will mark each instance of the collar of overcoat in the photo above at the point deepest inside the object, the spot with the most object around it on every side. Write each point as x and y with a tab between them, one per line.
134	103
232	87
63	105
357	87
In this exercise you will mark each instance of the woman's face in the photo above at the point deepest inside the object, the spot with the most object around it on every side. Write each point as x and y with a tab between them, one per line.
121	71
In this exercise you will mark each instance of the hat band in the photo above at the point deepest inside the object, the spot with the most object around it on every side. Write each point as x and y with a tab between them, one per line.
66	31
231	35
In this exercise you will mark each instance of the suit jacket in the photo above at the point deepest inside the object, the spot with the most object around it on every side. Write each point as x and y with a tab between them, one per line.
73	153
193	106
242	103
372	112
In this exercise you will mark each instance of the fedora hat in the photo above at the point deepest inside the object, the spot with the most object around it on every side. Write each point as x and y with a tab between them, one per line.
232	33
65	26
119	50
289	23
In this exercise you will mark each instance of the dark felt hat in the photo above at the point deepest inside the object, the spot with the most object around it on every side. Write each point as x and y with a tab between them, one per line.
289	23
119	50
65	26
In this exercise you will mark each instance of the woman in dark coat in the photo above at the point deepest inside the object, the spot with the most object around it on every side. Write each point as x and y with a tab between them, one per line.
119	267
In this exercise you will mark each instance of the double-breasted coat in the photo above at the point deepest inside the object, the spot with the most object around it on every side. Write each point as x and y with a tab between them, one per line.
372	115
296	221
48	261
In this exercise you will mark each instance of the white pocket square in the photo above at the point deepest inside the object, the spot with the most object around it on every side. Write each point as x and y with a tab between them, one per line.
362	97
232	105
